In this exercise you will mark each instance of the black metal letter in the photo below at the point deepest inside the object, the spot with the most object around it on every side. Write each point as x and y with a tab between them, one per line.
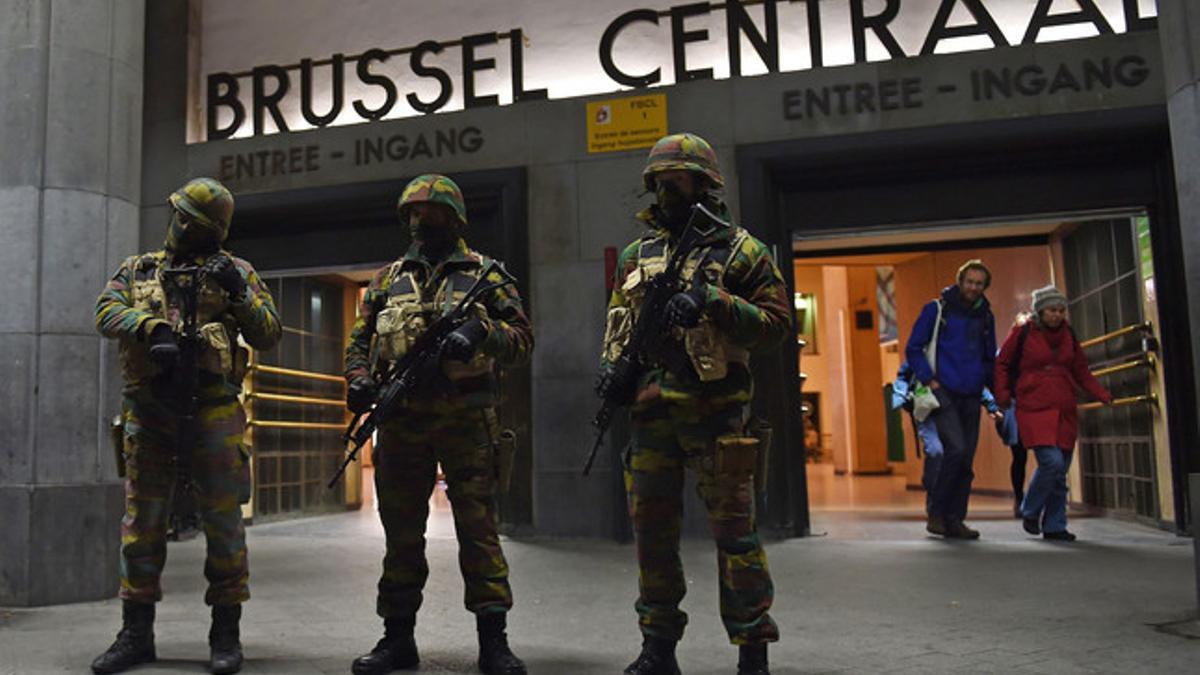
306	93
680	37
418	66
738	20
984	25
1042	18
269	102
471	65
367	77
606	49
229	99
860	23
516	45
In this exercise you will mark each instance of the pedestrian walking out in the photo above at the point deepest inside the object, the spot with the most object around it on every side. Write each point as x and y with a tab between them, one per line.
952	350
1042	364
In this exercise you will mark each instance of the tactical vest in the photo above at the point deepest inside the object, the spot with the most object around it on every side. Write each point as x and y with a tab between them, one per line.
407	313
216	327
708	349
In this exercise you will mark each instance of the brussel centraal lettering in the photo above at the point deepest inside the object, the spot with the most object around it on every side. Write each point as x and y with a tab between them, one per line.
885	23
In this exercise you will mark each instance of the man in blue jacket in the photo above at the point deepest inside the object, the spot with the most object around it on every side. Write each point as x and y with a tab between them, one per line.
965	355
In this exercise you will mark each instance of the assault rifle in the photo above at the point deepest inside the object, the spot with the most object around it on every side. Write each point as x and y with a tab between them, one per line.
183	380
650	341
418	368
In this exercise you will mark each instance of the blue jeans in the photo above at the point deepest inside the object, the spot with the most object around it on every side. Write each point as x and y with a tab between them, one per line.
1046	498
957	424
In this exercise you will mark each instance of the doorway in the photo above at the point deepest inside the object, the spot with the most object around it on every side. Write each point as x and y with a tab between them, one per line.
316	249
855	312
925	181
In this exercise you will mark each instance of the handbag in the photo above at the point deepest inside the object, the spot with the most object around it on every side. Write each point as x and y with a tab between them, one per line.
924	400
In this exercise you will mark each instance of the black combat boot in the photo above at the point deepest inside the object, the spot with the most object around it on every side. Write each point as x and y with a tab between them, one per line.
135	642
752	660
495	658
224	640
657	658
397	650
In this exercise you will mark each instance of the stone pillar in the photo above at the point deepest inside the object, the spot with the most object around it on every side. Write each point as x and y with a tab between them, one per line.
71	132
1179	31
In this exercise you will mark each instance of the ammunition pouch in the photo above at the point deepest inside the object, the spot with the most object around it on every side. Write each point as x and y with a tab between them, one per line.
765	433
503	444
116	435
506	452
216	351
711	353
397	328
736	457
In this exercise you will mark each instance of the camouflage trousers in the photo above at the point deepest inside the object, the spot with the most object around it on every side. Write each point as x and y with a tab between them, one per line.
667	438
219	469
406	460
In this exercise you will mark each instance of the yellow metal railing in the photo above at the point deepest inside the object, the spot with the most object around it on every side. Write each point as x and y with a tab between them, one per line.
304	400
1128	400
1145	326
285	424
252	394
291	372
1147	361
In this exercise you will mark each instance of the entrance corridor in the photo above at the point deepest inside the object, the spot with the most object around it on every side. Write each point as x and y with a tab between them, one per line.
886	494
857	299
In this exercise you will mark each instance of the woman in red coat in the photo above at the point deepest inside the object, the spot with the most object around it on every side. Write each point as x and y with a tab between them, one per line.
1049	368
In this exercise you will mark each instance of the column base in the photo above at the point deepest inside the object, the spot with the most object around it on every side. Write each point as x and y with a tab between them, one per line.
60	543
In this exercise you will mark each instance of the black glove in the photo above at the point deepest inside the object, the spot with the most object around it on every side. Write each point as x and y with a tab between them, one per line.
614	383
461	344
684	308
164	350
360	395
220	268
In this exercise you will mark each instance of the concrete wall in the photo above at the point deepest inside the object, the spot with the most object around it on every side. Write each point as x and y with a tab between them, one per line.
1180	27
70	121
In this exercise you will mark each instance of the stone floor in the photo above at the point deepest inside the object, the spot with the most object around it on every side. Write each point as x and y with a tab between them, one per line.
869	594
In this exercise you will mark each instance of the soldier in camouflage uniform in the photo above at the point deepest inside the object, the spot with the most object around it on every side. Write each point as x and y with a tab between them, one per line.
457	429
141	307
734	301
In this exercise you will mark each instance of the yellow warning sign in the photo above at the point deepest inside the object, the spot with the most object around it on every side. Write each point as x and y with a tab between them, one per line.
626	123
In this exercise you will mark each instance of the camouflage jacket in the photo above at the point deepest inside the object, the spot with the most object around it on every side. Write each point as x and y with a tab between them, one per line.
127	311
509	338
749	306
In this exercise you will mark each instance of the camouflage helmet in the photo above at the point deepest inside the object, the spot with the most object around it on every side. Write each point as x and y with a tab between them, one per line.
682	152
435	188
207	201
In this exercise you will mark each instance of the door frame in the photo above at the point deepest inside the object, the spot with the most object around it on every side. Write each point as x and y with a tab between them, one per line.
1018	168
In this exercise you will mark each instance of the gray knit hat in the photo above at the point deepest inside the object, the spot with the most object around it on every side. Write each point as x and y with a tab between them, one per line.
1048	296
